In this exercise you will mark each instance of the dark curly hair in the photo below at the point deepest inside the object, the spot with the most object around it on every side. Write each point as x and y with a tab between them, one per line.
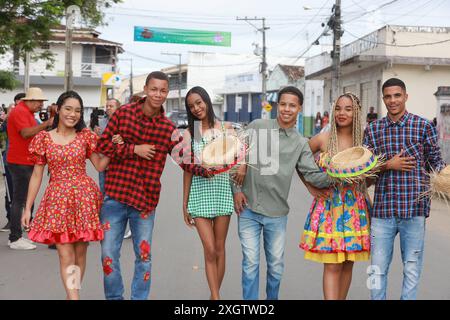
62	98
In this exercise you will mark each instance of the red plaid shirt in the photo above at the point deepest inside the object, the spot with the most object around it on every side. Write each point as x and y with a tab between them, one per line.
131	179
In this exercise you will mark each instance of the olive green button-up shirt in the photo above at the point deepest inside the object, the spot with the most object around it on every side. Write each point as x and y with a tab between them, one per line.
274	155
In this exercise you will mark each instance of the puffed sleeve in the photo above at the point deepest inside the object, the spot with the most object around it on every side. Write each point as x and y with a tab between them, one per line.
90	139
38	148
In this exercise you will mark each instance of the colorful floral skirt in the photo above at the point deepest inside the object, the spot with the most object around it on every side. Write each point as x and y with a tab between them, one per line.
337	228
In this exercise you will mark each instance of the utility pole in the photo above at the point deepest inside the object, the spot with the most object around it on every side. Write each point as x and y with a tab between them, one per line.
26	82
263	69
335	24
131	78
130	85
179	75
71	14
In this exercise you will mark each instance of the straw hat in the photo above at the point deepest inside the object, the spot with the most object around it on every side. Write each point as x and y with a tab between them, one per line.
221	151
35	94
352	162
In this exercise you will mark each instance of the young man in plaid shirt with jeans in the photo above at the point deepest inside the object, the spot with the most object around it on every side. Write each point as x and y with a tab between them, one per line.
133	185
410	145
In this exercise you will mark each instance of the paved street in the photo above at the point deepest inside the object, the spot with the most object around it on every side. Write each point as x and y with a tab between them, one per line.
178	271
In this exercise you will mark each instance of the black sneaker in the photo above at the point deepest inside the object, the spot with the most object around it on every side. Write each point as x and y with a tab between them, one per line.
5	228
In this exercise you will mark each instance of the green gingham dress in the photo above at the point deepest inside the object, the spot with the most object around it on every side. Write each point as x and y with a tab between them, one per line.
210	197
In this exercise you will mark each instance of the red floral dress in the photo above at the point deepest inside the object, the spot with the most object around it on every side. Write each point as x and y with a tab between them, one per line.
69	211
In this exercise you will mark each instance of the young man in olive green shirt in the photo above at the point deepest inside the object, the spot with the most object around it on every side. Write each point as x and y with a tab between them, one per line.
261	202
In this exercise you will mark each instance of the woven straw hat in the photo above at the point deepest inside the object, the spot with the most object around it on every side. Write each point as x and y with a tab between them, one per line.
35	94
351	162
222	151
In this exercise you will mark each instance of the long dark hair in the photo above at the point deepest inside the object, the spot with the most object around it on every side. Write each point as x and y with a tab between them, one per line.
193	129
63	97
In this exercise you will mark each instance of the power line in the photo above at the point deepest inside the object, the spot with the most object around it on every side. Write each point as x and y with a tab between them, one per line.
302	29
374	10
248	62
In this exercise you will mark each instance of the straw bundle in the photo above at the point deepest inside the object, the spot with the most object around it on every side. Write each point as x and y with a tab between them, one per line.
440	183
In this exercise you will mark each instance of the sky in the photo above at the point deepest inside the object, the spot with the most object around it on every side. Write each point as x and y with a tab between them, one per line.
294	25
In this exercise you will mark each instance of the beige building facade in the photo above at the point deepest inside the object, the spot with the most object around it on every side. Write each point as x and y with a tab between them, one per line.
420	56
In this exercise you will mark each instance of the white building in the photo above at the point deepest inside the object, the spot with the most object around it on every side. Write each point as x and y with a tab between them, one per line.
91	58
210	70
420	56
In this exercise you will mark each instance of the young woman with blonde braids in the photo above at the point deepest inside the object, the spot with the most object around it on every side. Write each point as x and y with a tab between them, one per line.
336	230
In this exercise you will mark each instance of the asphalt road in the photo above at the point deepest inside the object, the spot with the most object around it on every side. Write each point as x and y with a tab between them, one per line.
178	271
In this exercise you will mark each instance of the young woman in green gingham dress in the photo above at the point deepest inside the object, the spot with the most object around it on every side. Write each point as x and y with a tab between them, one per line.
207	202
210	197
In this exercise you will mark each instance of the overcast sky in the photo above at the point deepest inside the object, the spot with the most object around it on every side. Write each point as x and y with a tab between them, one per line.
294	24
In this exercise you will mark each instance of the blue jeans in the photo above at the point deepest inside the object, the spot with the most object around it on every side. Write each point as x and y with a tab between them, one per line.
250	225
101	181
412	235
114	217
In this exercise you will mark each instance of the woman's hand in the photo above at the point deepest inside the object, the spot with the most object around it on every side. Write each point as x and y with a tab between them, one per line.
318	193
26	217
187	218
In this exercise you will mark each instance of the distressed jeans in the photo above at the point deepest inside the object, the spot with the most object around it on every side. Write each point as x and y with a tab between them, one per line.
114	217
412	235
250	225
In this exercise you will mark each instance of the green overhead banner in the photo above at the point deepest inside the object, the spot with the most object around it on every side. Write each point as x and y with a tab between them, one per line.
169	35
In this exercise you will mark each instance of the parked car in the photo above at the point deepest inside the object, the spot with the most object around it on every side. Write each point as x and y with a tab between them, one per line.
179	118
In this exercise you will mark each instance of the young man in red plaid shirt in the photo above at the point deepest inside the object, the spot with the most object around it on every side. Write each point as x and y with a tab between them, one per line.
133	185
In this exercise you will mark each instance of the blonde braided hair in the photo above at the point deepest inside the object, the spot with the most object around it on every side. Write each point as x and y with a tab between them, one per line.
357	133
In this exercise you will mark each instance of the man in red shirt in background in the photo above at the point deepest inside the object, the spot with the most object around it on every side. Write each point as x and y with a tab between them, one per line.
22	127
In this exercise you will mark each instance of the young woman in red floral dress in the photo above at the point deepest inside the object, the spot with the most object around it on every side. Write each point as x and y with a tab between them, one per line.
68	215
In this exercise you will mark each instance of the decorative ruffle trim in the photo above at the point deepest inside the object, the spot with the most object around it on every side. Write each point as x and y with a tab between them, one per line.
50	237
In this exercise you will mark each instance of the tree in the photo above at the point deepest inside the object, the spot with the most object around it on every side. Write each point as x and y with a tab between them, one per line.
25	25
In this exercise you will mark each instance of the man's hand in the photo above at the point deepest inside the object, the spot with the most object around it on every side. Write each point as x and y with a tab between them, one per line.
145	151
401	163
240	202
97	130
49	122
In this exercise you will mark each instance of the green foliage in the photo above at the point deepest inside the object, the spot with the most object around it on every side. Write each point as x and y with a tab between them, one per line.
25	24
7	80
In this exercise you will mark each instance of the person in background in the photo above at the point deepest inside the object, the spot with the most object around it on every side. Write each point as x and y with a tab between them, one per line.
317	123
111	106
22	127
7	174
372	115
